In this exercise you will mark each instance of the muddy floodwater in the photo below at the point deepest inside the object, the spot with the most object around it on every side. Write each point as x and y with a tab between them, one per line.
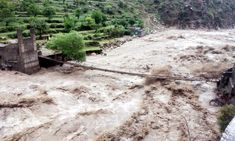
89	105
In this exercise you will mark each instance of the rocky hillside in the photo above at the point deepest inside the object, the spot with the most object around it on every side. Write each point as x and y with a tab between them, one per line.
194	13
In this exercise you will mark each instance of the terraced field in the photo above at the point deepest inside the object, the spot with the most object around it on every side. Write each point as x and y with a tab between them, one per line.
94	41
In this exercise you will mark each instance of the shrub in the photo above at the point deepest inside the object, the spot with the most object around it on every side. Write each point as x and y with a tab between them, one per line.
40	25
77	13
98	16
128	21
87	23
70	44
6	11
12	28
12	35
56	25
26	33
227	113
108	9
33	10
70	23
49	12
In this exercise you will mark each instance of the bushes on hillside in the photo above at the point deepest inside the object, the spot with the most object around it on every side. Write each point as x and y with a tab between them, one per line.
128	21
87	23
12	27
108	9
6	11
113	31
48	12
84	23
98	16
33	10
70	23
77	12
40	26
30	7
114	18
70	44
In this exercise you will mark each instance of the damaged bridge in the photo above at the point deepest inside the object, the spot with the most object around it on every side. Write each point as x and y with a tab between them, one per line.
20	56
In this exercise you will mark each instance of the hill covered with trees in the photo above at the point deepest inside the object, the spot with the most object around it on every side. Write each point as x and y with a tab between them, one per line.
99	21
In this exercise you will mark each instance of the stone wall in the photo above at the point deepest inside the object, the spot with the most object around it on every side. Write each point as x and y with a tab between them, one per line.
29	62
10	56
28	44
28	55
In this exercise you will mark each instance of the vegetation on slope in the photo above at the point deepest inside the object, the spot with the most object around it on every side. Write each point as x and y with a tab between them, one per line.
98	20
66	15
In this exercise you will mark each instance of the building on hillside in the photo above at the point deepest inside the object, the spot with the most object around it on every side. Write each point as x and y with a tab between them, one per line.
20	56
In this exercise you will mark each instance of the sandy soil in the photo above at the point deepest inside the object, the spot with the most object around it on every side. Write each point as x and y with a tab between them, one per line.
94	105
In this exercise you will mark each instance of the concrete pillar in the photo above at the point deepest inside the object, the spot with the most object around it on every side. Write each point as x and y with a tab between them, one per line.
20	42
33	38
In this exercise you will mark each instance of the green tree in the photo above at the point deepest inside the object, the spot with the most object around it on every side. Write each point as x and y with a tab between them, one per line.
70	44
78	12
6	11
87	23
98	16
70	23
49	12
25	4
40	26
46	3
33	10
76	2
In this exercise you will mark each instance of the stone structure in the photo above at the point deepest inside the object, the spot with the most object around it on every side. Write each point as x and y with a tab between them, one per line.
20	56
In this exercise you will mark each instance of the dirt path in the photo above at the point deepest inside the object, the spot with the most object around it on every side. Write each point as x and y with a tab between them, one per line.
93	105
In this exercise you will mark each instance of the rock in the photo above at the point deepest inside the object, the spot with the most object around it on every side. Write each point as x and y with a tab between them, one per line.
93	54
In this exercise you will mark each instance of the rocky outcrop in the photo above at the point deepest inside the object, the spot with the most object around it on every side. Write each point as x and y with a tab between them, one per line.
196	13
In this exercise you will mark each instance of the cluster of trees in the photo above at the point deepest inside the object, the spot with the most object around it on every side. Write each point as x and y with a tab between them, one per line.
8	9
70	44
33	9
196	13
88	21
